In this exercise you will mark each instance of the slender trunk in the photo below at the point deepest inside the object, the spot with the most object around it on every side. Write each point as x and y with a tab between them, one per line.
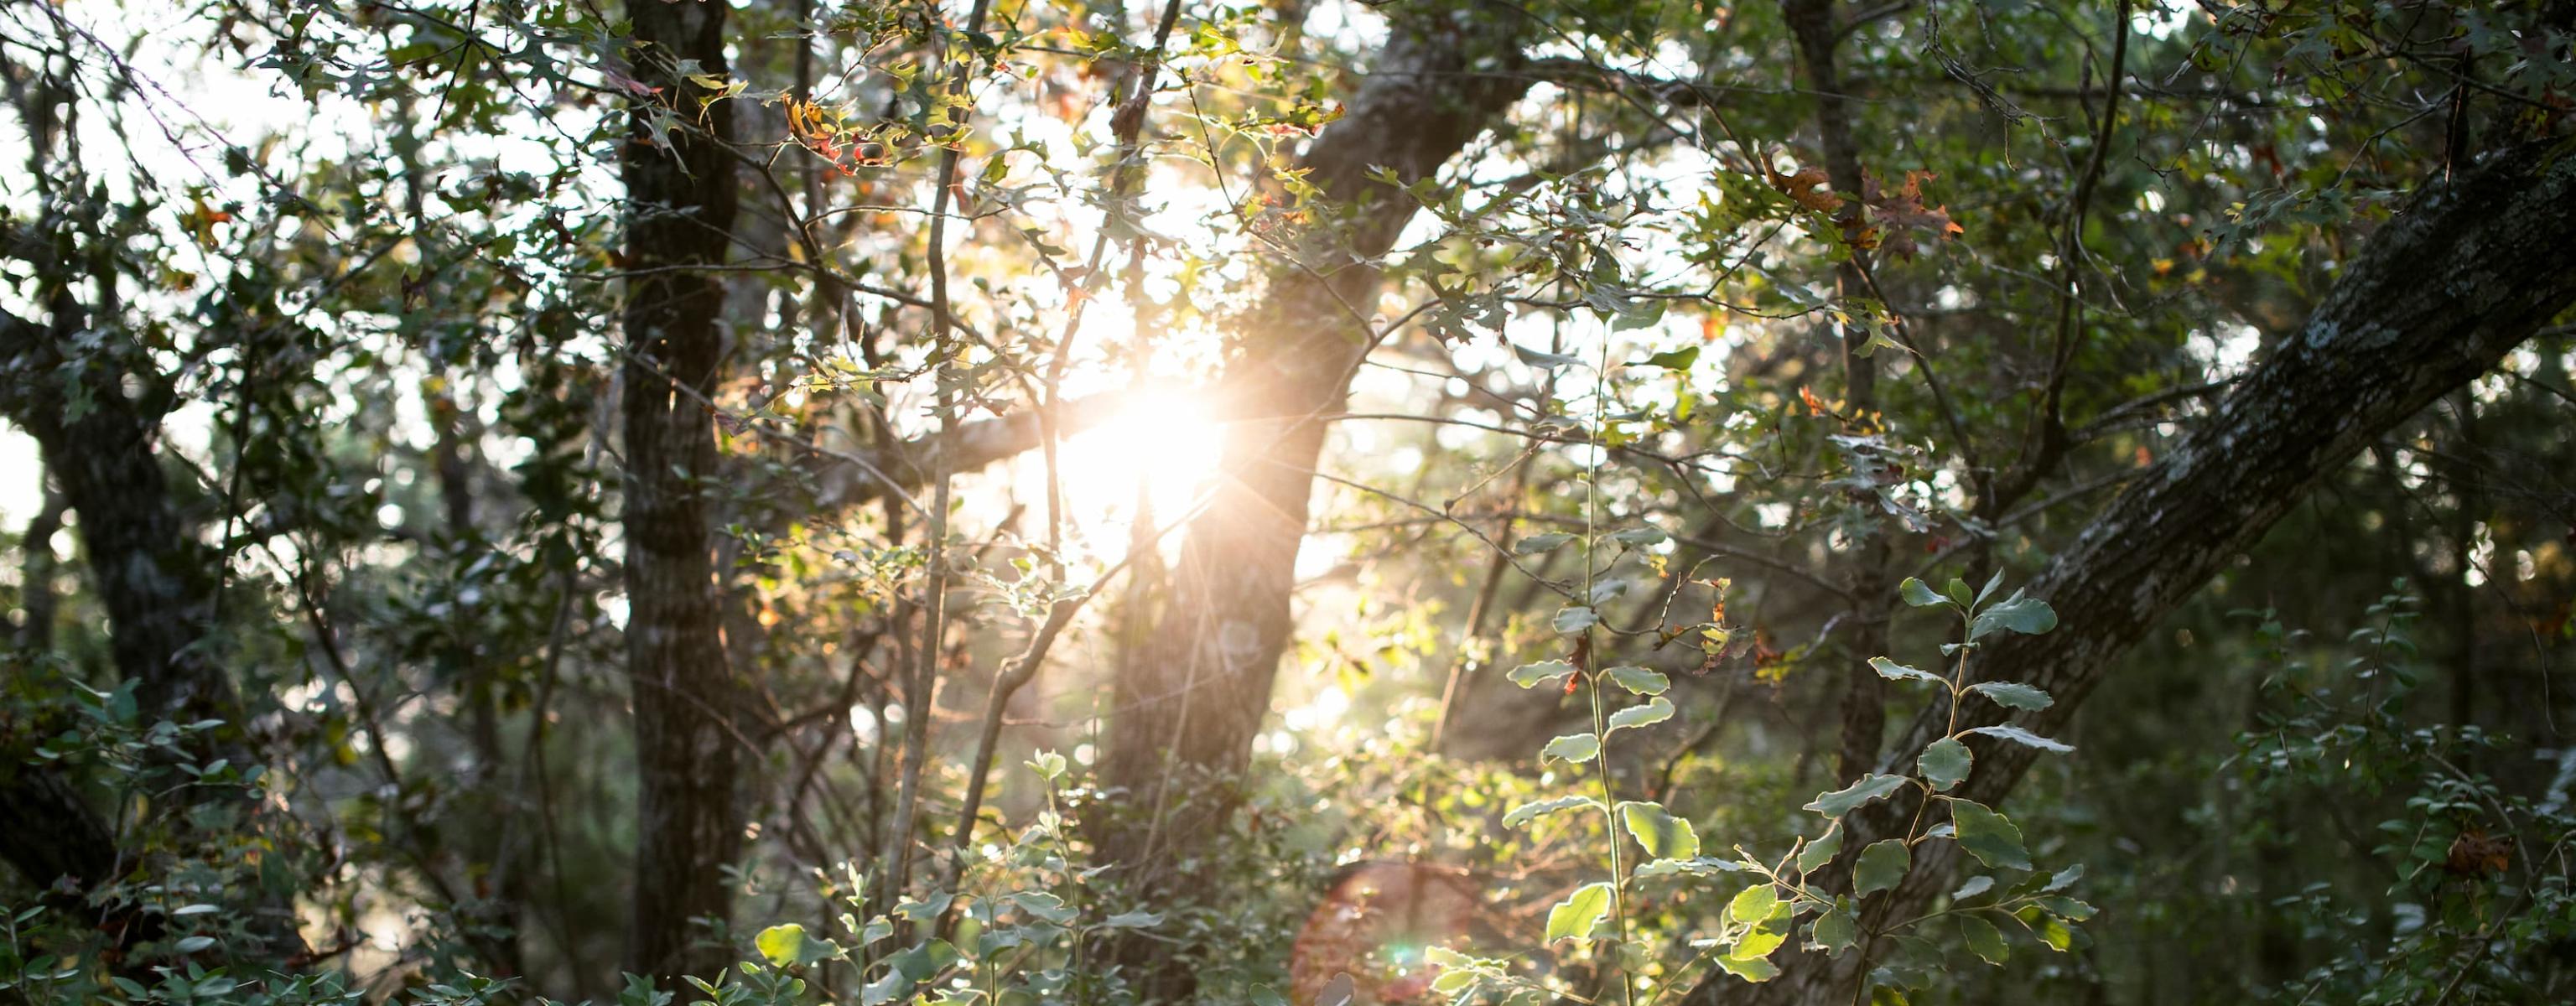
687	751
1864	702
2458	599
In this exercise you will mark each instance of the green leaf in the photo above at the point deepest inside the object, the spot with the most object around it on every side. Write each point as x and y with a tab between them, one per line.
1575	618
1765	935
1044	906
1836	930
1756	969
1644	314
1543	672
1544	361
1572	748
1881	866
1133	920
1538	543
1536	809
1945	763
1842	801
1663	835
1893	671
1700	866
2029	616
2065	878
905	971
1676	359
1656	710
1919	594
1577	915
1049	765
1984	939
1753	904
1976	885
1263	995
925	909
2054	933
1646	535
1989	836
927	961
2018	735
2068	907
1639	680
2013	694
1816	854
785	945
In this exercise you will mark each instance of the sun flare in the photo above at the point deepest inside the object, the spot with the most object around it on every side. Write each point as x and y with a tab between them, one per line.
1163	443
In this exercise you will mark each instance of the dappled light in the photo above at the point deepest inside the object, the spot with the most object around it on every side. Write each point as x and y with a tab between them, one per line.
1287	502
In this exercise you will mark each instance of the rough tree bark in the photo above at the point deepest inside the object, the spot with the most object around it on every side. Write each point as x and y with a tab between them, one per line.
2437	297
681	208
1188	707
1864	708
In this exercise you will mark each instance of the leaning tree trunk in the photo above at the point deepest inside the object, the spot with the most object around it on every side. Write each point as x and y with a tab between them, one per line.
680	214
1188	707
2437	298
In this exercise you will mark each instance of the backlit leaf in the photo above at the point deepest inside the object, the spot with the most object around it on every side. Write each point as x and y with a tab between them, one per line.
1663	835
1543	672
1656	710
1579	913
1536	809
1753	904
1639	680
1573	748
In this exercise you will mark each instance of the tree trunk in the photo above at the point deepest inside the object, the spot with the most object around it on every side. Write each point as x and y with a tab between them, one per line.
2437	298
681	207
1864	702
1188	707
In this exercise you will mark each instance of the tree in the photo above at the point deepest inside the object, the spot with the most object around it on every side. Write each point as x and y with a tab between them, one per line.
677	164
1189	706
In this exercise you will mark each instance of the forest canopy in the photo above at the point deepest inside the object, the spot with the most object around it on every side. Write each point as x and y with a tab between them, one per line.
1288	502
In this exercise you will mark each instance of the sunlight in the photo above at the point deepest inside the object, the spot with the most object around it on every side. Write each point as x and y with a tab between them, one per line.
1163	441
